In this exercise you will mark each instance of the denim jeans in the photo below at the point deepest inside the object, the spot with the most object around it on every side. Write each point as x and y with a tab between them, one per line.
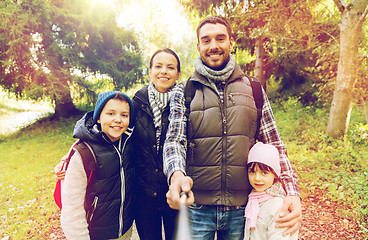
206	220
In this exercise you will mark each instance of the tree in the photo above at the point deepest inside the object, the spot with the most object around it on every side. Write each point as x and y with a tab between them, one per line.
47	42
280	35
352	18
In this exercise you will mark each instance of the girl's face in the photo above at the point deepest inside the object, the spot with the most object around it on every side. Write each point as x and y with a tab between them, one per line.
114	118
260	180
164	71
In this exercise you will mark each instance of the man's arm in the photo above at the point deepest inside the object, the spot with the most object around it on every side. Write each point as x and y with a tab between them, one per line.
179	183
174	152
269	134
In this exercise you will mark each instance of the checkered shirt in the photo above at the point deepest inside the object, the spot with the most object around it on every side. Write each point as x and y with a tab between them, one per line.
176	143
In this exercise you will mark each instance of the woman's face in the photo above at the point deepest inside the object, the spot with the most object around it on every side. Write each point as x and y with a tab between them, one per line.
164	71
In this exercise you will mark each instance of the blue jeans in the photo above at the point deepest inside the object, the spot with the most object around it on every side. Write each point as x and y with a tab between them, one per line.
206	220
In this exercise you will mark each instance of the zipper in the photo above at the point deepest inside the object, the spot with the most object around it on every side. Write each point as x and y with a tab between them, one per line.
224	140
93	205
128	132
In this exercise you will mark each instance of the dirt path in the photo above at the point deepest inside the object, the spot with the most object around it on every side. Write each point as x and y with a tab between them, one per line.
321	221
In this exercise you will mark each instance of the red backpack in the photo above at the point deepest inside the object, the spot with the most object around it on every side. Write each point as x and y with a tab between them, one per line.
89	164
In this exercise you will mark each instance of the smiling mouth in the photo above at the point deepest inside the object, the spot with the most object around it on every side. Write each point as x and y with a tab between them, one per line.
214	55
163	79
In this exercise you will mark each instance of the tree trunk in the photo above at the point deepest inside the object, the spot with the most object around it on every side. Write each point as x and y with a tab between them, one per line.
259	71
64	106
350	31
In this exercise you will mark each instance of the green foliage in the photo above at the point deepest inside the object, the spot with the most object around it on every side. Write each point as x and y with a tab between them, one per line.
44	43
301	41
336	167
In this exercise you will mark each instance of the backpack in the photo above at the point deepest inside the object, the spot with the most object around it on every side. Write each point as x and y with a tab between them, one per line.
89	164
190	87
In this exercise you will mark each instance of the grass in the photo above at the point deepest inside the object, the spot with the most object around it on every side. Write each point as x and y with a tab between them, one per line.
336	167
26	182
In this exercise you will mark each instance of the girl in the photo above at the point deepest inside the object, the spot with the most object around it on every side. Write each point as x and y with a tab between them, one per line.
266	198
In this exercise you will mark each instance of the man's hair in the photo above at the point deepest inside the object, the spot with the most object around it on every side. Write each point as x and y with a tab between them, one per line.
214	20
166	50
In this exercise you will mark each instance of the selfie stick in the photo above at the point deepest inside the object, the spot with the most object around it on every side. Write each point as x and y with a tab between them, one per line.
182	225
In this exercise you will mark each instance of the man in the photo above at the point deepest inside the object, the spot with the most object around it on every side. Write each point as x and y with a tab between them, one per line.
222	128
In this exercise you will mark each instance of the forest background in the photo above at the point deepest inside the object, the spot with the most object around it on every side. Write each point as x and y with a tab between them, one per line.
311	57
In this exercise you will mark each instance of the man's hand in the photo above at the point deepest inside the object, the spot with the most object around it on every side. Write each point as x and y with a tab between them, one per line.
179	183
291	220
60	175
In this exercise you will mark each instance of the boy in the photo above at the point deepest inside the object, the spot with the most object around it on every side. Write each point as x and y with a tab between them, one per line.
110	191
266	198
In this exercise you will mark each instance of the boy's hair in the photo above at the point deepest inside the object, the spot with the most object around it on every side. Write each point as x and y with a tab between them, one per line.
104	97
166	50
263	167
214	20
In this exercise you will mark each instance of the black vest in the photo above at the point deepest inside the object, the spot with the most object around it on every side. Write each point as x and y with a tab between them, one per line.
108	216
150	180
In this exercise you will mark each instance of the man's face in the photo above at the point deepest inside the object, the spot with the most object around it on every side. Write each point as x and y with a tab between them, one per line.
214	45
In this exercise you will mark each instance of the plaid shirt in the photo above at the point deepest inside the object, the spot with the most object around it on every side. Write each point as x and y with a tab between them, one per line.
175	146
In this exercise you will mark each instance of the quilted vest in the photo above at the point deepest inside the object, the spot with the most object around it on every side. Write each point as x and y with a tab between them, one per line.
150	178
109	219
220	135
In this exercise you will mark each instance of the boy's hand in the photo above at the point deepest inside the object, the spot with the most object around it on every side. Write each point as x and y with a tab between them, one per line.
179	183
292	220
60	175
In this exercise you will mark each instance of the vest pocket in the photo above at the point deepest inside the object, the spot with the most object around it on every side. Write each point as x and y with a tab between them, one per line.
239	98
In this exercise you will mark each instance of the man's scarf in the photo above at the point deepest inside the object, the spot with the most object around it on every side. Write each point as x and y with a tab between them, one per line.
215	76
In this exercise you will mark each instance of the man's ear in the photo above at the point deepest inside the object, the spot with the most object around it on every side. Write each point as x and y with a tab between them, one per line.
231	43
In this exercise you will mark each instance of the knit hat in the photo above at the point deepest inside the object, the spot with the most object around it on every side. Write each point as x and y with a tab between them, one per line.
266	154
104	97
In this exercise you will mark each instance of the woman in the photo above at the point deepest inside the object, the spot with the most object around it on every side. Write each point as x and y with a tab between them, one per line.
152	111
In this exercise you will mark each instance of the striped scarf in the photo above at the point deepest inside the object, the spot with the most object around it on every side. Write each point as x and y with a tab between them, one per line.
216	78
158	102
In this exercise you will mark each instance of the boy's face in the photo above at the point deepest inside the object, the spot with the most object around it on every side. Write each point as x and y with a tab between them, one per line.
214	45
114	118
260	180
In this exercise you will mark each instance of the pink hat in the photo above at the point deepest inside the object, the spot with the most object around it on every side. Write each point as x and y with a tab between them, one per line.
266	154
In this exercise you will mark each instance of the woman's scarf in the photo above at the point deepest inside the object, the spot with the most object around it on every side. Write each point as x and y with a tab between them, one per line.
215	76
252	209
158	102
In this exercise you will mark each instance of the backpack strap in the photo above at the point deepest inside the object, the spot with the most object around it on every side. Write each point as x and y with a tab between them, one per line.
88	158
89	164
258	100
189	90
